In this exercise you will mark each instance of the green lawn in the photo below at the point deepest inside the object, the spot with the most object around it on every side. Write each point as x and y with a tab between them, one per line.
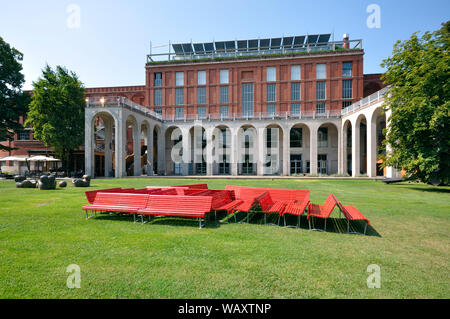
42	232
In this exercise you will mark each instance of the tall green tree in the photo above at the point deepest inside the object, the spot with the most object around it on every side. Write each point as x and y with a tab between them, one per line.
418	72
13	102
57	112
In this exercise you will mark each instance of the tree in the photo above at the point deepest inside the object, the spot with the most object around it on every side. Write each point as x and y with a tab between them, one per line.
13	102
418	74
57	112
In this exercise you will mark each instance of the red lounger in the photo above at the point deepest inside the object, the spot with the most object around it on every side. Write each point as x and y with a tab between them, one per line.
195	186
322	211
117	203
90	195
351	213
246	195
177	206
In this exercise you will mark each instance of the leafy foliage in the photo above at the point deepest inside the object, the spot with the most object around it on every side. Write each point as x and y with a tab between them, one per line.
57	111
418	72
13	102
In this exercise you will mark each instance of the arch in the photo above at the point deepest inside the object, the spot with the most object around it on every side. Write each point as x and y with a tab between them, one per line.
157	150
272	149
347	147
327	148
221	151
174	150
197	145
247	154
377	148
132	157
299	149
146	139
359	146
102	138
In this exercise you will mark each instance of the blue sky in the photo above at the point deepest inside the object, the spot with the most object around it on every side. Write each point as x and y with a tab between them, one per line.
110	45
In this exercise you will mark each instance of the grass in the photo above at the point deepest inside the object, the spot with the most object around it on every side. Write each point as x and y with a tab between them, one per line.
42	232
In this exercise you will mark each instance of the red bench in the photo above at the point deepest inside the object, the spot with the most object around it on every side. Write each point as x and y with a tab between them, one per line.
177	206
116	203
90	195
351	213
322	211
194	186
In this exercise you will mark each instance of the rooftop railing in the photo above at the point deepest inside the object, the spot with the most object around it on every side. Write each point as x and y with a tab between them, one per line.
260	51
365	101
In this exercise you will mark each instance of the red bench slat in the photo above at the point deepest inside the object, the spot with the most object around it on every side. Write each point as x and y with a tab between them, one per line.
184	206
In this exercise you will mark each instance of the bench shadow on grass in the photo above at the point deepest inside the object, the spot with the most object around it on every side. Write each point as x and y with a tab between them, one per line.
334	225
167	221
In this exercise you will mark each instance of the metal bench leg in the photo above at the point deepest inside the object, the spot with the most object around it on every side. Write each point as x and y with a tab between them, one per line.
365	228
265	219
298	221
325	228
348	226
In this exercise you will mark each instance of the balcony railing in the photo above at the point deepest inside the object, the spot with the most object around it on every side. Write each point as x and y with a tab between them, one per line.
365	101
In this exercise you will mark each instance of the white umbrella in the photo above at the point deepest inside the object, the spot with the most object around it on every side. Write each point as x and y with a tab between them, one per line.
13	158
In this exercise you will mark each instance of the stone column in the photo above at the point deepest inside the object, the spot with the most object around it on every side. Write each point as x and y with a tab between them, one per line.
108	147
340	151
120	145
234	156
260	151
286	151
161	152
371	148
137	149
313	149
186	151
149	150
88	143
356	157
344	149
209	151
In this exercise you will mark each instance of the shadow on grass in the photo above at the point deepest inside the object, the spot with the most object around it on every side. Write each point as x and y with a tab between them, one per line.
424	188
334	225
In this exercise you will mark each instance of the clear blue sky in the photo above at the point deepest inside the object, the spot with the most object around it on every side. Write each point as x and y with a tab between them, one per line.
111	43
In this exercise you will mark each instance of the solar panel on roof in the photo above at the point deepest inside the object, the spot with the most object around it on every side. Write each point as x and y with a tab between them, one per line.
220	46
253	44
242	45
264	43
275	43
230	45
299	41
324	38
187	48
209	47
287	42
199	49
312	39
178	49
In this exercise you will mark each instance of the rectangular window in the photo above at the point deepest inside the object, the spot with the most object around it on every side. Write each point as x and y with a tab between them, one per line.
320	108
201	78
321	71
296	137
320	90
295	73
346	104
23	135
179	78
224	111
247	99
347	89
347	69
157	98
322	137
271	92
295	109
224	95
201	95
157	79
201	112
158	110
271	74
179	96
179	113
295	91
224	77
271	110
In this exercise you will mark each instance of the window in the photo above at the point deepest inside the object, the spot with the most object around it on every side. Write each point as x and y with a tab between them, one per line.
201	95
295	109
347	69
224	77
158	110
23	135
296	137
157	98
157	79
271	74
321	71
346	104
320	90
224	95
247	99
271	92
295	73
201	112
322	137
201	78
179	113
295	91
347	89
179	96
271	110
320	107
179	78
224	111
